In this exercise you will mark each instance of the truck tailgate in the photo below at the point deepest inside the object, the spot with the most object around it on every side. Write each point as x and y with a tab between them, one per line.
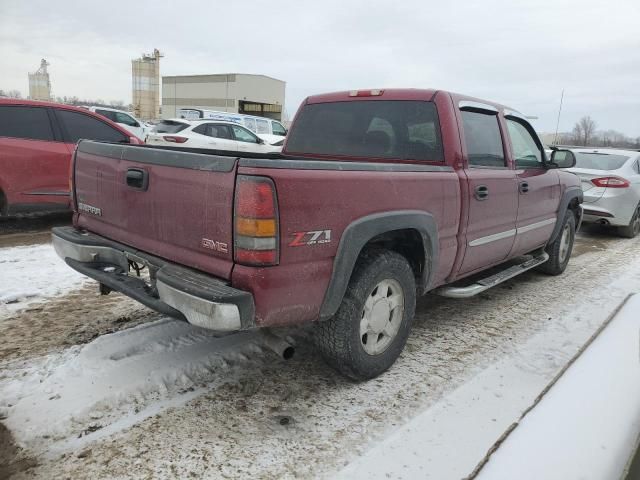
173	204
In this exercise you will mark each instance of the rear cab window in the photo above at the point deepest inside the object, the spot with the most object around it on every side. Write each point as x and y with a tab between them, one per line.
31	123
385	129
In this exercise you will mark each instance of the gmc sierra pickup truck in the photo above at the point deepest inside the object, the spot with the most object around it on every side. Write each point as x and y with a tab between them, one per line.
379	196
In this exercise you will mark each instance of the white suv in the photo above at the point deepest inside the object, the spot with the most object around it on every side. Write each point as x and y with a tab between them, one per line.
210	134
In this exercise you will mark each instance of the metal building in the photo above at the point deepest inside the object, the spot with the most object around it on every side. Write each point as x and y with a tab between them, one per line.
146	85
39	84
229	92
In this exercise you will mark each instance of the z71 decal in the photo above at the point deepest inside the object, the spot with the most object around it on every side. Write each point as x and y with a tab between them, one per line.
314	237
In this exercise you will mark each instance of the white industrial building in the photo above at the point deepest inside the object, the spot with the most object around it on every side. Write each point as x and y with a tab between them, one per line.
229	92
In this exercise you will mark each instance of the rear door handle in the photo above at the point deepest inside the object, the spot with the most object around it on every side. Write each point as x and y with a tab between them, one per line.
481	192
137	178
524	187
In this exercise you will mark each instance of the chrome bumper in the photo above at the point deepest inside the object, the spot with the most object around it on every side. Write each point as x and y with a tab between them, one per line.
174	290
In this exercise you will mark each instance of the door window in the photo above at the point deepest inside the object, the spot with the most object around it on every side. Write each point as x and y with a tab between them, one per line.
278	129
79	126
483	139
243	135
526	151
126	119
214	130
250	123
25	122
107	113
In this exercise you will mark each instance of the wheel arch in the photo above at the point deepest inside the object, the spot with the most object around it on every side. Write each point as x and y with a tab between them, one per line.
571	200
412	233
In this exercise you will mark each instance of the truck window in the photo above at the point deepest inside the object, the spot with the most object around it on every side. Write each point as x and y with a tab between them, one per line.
262	126
526	151
483	140
398	129
31	123
250	123
278	129
80	126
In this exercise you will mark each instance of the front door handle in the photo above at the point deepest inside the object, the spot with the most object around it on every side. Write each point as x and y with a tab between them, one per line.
481	192
524	187
137	178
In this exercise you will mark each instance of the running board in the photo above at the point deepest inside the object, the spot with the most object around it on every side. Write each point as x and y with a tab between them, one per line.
491	281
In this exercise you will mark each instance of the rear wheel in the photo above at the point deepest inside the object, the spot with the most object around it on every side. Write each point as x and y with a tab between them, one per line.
633	229
371	326
560	249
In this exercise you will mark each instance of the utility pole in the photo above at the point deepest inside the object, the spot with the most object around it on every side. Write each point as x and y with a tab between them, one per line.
555	140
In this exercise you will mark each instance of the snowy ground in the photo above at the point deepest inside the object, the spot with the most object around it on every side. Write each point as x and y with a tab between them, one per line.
100	387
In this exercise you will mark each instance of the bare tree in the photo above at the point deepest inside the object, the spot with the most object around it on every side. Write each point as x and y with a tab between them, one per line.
576	134
587	128
14	94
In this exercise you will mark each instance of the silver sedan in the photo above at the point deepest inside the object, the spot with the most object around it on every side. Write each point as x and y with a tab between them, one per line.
611	185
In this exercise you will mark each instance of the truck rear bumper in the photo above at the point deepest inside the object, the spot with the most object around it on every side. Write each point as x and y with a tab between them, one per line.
171	289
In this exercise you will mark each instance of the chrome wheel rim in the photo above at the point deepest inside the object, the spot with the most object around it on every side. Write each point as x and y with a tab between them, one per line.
381	316
565	242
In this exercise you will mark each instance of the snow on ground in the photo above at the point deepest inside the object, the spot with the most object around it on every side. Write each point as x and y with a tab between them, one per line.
30	274
115	376
588	424
300	419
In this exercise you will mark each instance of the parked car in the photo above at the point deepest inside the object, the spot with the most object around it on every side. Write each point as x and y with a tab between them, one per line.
258	125
381	196
36	143
611	184
127	121
210	134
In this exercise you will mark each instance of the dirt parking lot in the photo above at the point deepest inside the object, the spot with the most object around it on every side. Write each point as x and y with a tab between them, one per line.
101	387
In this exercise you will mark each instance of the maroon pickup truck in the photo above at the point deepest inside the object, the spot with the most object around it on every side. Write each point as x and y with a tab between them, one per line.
379	196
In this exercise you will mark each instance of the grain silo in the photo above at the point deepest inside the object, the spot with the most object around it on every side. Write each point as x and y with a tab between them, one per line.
39	85
146	85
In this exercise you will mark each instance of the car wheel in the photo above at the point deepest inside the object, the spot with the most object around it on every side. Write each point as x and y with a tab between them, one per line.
369	330
560	249
633	229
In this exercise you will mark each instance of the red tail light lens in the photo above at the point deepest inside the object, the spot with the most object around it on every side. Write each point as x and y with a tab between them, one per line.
611	182
174	139
256	230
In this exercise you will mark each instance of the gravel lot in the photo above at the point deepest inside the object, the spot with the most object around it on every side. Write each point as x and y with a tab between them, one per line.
101	387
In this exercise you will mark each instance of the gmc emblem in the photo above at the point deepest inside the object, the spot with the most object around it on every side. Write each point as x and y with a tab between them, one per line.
214	245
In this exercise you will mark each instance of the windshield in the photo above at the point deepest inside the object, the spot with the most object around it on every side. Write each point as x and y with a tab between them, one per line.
599	161
169	126
369	128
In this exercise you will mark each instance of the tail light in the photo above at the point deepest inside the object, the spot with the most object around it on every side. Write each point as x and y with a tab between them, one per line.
256	233
611	182
174	139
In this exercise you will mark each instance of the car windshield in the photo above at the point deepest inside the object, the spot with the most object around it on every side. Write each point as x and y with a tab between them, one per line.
369	128
599	161
169	126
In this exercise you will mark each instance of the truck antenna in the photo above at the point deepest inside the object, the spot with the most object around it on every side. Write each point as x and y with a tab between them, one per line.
555	139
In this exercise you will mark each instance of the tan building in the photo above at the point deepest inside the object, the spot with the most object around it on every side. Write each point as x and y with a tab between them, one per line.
39	84
146	86
231	92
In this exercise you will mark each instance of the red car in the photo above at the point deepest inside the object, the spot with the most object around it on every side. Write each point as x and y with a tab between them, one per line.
37	140
380	196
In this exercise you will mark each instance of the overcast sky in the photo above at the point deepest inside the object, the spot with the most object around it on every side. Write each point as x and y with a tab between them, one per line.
520	53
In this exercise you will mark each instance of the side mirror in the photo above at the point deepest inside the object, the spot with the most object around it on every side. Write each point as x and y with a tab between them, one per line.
563	159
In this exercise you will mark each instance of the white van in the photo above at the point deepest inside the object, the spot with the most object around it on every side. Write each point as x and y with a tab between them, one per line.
265	127
125	120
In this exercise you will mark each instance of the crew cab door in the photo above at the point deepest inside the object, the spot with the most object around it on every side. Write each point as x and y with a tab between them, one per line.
538	187
492	191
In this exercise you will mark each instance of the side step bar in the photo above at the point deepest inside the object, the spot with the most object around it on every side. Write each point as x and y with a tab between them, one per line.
491	281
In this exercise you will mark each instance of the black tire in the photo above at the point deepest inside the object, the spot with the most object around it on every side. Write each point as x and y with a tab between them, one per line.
339	339
558	256
633	229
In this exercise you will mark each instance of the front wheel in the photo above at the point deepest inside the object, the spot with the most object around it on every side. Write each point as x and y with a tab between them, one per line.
560	249
369	330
